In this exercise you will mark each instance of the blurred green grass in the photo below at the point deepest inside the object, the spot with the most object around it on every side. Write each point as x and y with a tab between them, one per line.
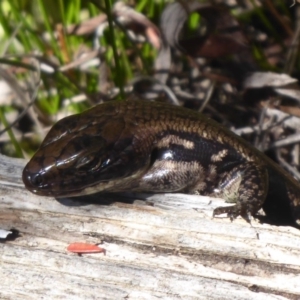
37	29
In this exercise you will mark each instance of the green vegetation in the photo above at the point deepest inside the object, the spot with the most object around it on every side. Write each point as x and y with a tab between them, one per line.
64	64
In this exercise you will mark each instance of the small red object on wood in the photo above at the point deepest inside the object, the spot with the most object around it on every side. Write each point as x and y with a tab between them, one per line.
85	248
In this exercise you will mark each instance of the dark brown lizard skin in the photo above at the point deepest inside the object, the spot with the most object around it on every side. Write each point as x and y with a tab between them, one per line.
156	147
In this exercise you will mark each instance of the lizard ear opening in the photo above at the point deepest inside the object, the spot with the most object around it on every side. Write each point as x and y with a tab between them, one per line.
161	154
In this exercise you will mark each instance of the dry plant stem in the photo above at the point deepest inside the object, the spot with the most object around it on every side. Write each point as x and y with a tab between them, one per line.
156	87
5	137
289	121
11	39
119	79
293	50
270	5
291	139
287	166
249	130
162	63
295	155
22	97
258	142
208	96
74	64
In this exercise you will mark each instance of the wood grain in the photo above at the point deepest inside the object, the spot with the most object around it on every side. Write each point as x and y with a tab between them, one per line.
165	247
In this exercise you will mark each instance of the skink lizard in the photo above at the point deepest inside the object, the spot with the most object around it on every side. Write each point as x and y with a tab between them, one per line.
156	147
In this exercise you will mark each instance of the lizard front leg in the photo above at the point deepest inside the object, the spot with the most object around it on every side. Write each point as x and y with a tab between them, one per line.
247	186
170	176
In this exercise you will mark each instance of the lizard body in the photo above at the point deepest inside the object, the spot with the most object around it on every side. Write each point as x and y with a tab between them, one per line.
156	147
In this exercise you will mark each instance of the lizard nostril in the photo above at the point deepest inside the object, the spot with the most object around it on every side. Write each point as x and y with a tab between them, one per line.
32	180
36	179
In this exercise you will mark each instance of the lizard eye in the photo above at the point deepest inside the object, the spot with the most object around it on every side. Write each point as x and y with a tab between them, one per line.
91	163
88	163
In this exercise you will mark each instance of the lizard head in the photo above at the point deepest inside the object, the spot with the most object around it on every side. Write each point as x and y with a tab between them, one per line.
83	155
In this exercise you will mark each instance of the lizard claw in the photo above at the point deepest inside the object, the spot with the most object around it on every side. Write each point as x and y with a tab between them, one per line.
233	212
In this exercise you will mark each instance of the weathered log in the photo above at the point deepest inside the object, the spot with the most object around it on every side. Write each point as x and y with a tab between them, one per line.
171	249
